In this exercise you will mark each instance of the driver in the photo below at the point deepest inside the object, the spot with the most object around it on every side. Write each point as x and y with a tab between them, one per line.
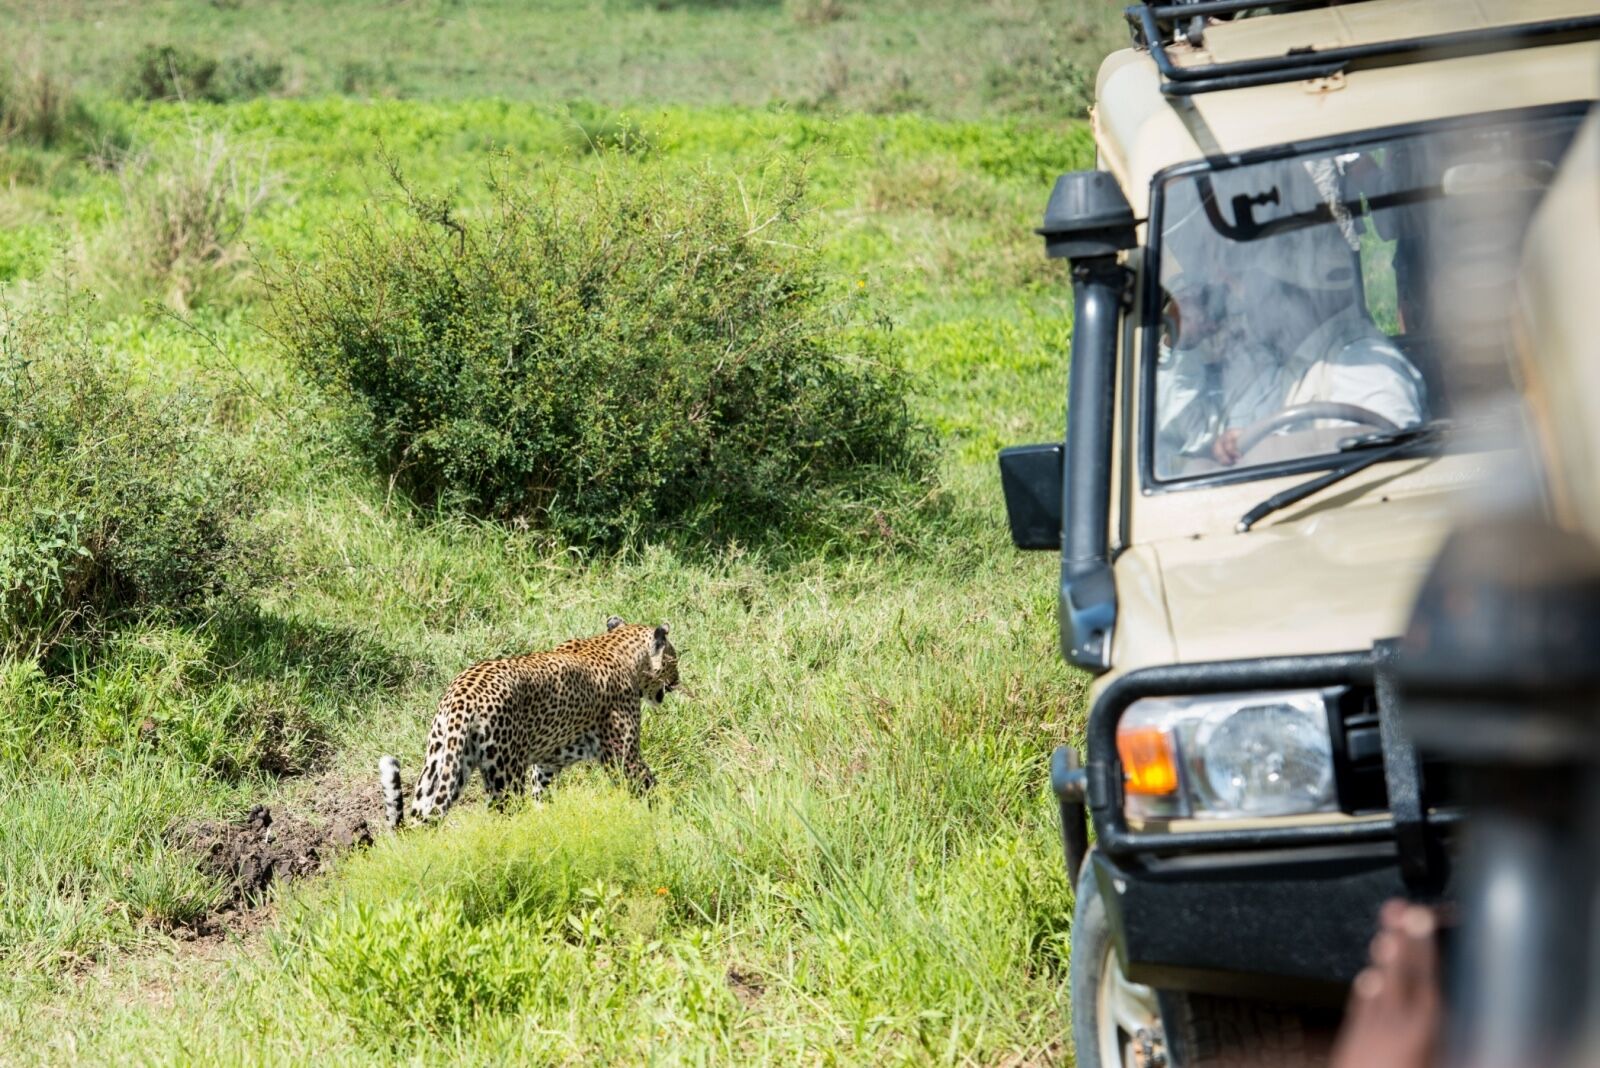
1285	330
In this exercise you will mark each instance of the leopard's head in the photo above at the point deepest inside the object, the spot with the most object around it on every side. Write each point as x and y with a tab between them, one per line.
660	666
663	672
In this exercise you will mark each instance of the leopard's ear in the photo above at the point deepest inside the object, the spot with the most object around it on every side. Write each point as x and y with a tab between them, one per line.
613	623
660	641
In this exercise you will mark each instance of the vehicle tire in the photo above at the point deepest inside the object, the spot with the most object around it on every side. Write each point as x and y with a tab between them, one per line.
1203	1031
1111	1017
1120	1024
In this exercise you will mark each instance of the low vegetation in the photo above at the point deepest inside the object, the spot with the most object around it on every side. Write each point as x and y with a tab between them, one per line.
248	531
44	120
173	72
37	109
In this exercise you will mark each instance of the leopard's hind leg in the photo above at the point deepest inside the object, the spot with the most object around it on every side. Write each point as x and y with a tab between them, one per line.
504	765
444	775
502	784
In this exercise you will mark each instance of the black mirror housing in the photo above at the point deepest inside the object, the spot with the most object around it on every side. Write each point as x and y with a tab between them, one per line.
1087	216
1031	477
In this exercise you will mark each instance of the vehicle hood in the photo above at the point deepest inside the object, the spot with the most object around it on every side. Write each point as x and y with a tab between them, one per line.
1330	581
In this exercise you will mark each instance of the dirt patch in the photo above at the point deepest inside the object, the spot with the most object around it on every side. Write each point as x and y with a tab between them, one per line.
274	844
747	985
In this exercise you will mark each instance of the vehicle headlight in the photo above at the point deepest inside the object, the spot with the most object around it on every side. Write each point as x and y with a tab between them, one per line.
1227	756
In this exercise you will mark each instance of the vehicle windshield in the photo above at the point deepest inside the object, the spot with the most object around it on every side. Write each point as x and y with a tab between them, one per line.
1307	300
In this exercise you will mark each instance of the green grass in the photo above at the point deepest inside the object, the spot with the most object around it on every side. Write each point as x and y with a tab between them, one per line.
947	57
853	815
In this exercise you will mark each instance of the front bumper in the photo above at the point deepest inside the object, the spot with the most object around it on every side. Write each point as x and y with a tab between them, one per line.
1284	912
1289	925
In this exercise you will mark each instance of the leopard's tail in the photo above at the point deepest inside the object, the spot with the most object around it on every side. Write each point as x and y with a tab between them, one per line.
394	794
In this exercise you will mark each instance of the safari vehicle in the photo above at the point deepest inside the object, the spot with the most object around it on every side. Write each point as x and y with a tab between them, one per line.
1297	247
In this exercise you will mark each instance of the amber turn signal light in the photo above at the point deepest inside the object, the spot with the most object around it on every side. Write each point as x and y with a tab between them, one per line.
1148	762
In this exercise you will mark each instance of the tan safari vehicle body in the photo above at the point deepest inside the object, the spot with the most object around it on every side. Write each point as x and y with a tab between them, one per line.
1293	272
1556	328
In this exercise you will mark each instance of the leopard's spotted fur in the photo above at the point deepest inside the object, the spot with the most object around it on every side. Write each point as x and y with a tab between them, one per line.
541	712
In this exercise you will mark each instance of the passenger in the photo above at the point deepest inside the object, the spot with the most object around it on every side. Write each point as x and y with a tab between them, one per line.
1282	333
1211	369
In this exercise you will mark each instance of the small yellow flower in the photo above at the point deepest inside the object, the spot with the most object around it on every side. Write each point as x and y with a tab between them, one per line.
861	283
661	891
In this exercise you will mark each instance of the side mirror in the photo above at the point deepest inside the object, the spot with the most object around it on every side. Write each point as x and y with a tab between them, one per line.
1031	476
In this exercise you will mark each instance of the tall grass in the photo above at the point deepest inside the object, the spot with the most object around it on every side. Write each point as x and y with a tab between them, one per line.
852	821
84	867
41	109
185	206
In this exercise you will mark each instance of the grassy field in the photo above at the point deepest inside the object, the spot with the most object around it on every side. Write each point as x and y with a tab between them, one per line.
953	59
850	858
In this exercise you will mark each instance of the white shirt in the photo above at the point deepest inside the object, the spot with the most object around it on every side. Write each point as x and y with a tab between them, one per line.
1346	360
1350	361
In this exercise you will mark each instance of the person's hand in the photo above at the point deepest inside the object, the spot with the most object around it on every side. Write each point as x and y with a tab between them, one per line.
1225	447
1396	1010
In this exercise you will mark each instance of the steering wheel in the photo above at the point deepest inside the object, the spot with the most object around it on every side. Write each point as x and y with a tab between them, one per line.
1252	435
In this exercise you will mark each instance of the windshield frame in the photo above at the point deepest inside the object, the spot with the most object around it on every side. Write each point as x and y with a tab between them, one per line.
1150	293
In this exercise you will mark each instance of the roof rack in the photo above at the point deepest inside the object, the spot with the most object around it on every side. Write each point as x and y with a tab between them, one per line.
1156	25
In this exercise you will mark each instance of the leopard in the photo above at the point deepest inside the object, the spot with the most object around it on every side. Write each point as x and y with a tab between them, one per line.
520	720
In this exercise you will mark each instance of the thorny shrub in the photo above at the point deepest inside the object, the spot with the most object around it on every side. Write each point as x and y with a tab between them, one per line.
608	352
172	72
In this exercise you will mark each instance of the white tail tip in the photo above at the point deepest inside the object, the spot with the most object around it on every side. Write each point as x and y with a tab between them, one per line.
393	792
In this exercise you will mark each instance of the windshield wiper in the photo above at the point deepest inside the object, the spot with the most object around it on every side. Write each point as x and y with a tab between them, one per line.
1407	434
1384	445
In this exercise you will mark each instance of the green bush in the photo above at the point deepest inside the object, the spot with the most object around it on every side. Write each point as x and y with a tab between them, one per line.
113	503
595	131
249	75
412	970
607	353
556	915
360	77
402	972
172	72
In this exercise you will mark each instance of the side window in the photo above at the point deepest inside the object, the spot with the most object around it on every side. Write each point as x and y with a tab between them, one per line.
1378	282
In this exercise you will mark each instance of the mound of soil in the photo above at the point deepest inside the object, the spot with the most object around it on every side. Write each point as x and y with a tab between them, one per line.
267	846
272	845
